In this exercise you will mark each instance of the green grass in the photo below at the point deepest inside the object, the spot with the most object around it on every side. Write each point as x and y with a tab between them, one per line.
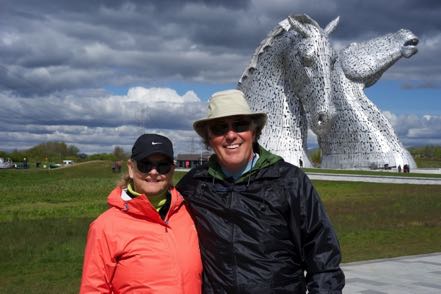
428	163
44	218
383	220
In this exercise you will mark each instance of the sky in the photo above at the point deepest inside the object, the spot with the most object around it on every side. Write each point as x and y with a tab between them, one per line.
98	73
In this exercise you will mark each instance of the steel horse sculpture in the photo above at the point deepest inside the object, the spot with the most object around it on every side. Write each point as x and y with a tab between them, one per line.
289	79
360	136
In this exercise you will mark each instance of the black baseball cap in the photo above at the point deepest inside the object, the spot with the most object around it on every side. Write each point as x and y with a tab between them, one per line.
149	144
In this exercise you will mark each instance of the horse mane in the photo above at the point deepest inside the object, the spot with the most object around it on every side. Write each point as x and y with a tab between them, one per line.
267	42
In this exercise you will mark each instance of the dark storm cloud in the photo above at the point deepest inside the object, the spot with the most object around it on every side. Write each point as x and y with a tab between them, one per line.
156	39
124	38
360	18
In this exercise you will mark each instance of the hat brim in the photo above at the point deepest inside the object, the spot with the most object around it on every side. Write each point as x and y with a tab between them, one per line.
199	126
144	155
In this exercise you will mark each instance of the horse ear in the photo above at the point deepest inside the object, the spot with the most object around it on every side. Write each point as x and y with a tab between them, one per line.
298	27
331	26
304	18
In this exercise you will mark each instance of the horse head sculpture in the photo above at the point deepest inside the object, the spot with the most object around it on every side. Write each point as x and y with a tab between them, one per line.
360	136
310	67
367	61
289	79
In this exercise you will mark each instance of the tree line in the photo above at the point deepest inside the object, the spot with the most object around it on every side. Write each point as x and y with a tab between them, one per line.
59	151
432	152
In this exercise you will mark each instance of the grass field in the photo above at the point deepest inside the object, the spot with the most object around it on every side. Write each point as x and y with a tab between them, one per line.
429	163
45	214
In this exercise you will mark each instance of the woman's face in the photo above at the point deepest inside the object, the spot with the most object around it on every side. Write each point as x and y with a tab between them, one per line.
150	175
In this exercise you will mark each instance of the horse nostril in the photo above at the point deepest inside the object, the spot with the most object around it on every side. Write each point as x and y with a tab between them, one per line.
412	42
321	119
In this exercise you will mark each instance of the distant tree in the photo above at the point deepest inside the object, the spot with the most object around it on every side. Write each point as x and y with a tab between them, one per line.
315	156
18	156
72	151
4	154
48	151
82	156
426	152
101	156
437	152
119	153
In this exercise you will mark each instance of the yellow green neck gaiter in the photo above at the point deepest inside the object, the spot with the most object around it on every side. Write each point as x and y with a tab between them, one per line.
158	201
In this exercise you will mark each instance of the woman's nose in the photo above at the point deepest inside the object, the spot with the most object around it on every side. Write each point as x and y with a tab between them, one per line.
153	171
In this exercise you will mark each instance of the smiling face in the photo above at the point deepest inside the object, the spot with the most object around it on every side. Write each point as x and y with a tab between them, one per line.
234	147
151	183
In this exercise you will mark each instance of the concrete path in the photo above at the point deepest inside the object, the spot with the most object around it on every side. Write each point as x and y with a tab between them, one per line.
366	178
416	274
374	179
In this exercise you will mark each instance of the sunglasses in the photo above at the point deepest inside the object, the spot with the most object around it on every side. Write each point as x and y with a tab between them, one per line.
222	127
162	167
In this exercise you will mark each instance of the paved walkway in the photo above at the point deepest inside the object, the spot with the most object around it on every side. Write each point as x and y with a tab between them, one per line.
418	274
374	179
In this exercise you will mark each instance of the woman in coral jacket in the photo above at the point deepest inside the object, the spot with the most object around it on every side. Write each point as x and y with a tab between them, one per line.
146	241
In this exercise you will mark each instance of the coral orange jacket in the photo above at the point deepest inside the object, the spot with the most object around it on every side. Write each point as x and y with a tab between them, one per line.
130	249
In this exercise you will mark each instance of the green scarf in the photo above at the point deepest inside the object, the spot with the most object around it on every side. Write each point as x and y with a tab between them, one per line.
158	201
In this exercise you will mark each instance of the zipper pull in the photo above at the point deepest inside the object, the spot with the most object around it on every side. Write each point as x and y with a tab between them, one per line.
166	226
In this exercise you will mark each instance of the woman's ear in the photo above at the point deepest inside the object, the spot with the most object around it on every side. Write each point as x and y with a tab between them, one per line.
131	167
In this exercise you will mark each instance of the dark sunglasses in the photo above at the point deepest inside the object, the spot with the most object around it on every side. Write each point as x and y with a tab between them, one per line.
222	127
162	167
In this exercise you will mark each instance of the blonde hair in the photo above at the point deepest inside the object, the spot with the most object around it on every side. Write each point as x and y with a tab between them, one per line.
124	181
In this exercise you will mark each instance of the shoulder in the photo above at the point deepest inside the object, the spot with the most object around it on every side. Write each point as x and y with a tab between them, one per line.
106	221
289	178
190	179
284	170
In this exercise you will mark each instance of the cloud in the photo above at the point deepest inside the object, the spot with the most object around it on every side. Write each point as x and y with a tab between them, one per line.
98	122
416	130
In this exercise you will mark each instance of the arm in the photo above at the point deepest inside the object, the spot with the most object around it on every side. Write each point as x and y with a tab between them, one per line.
99	265
319	244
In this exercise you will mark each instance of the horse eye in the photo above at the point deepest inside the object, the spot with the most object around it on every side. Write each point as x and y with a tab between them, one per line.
307	61
333	61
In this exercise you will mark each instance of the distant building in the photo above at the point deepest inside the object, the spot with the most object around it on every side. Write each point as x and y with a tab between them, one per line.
192	160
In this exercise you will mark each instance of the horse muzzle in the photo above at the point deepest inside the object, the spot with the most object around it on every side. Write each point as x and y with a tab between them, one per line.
411	41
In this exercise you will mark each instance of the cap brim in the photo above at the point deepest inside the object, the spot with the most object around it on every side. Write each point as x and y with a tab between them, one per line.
141	156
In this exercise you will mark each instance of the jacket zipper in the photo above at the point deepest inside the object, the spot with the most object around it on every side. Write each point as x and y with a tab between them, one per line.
233	241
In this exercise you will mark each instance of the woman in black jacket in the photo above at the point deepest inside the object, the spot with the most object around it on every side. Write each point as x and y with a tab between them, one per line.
261	225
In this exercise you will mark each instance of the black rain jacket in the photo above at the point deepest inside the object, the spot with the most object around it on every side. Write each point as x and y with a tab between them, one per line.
262	232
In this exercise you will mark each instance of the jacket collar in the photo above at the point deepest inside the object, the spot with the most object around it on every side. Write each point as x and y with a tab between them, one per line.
141	206
266	159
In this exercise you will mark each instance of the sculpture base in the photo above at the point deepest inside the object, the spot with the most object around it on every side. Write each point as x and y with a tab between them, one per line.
367	161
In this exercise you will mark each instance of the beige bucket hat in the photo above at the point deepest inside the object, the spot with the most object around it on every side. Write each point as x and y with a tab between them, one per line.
228	103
